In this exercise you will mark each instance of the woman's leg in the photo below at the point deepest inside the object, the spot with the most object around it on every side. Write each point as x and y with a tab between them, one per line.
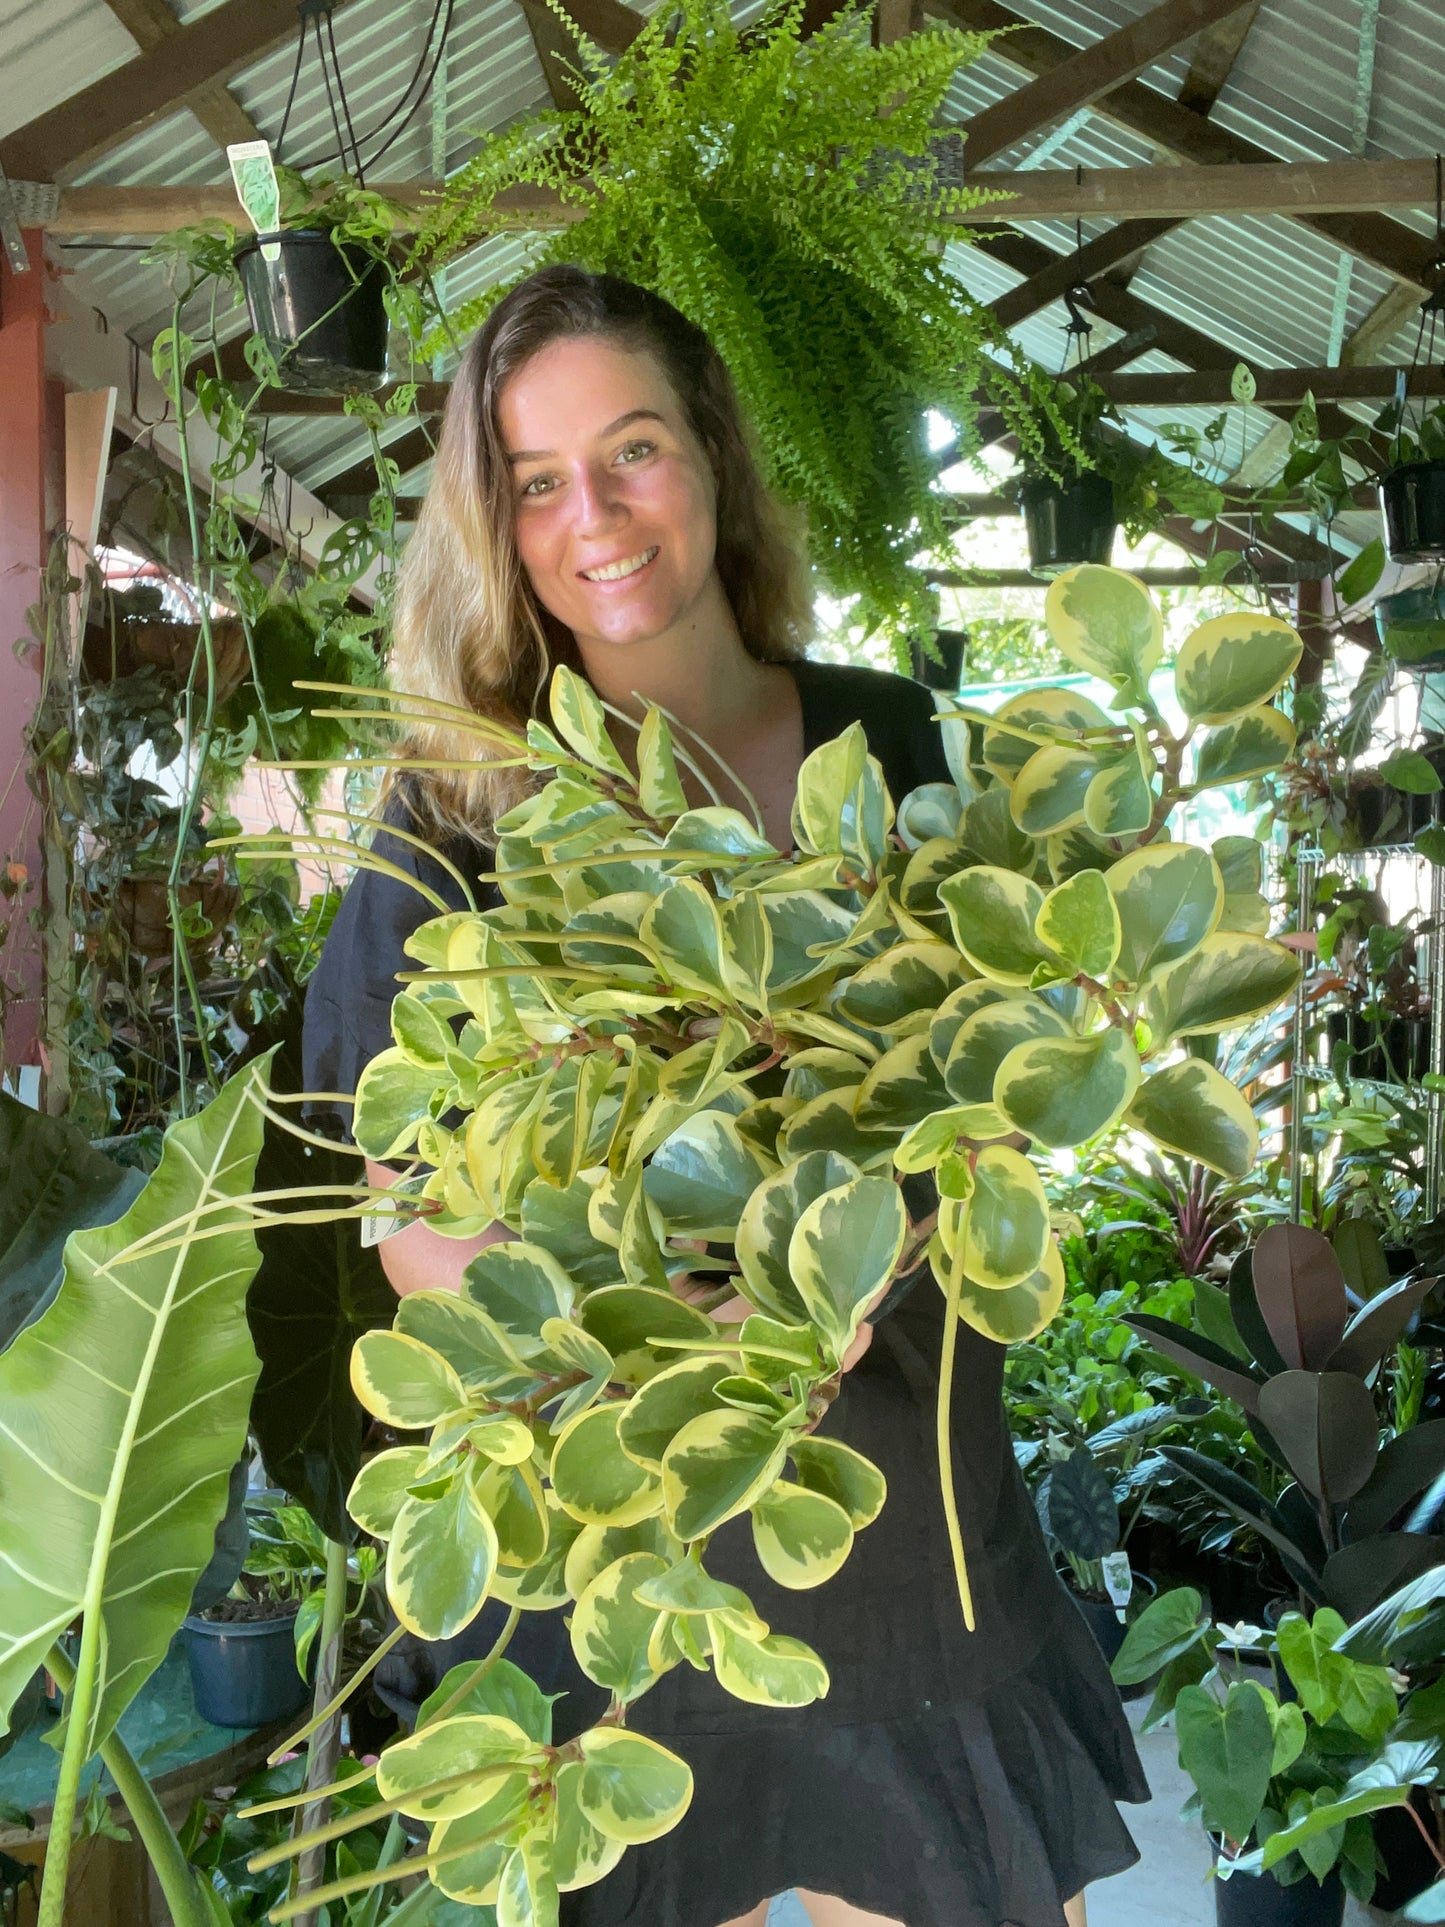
825	1910
1076	1911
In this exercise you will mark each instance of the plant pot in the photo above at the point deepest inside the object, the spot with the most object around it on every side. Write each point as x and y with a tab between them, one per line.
1390	1052
1258	1900
948	673
141	908
1069	524
319	308
1412	498
1383	818
1411	627
1409	1864
172	647
1103	1623
243	1673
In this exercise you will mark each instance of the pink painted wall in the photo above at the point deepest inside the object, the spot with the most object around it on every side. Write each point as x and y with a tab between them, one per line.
27	439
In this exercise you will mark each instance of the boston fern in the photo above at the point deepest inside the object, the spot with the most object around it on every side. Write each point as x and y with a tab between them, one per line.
780	190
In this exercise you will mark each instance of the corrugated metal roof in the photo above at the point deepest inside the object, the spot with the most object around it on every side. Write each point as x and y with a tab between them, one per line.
1264	287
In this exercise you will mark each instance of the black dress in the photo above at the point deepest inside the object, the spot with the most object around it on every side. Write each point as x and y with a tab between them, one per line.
948	1779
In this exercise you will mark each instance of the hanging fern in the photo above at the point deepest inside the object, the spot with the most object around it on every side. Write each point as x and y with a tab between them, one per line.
781	192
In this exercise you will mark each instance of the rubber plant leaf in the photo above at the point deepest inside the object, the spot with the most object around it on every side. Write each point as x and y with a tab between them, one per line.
1378	1326
1199	1355
125	1408
1406	1465
1301	1294
1235	1492
1326	1427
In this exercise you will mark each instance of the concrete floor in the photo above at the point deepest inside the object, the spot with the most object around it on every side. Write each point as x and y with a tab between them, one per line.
1171	1881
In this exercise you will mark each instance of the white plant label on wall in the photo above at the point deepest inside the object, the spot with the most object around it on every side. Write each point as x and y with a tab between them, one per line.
1118	1582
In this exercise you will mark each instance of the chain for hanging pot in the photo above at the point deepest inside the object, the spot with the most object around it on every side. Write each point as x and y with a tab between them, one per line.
1078	328
319	15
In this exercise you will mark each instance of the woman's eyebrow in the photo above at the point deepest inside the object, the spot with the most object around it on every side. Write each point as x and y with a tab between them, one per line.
545	454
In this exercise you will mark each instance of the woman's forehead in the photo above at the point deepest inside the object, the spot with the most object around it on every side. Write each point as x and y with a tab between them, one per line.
579	389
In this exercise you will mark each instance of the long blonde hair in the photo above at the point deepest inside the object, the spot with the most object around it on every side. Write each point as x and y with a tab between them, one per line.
469	629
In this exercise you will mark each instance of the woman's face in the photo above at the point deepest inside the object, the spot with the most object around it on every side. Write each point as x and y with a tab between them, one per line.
615	500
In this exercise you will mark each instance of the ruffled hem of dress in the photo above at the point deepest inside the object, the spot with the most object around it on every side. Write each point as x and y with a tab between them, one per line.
991	1813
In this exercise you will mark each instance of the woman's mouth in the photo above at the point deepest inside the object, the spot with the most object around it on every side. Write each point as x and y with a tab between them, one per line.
621	570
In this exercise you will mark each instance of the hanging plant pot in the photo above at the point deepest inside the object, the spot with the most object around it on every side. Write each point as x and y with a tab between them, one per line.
1398	1048
1378	817
243	1672
1258	1900
1411	626
319	308
947	673
141	907
172	647
1068	524
1412	498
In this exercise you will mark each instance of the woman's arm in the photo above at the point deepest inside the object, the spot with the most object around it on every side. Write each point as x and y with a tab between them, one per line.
420	1259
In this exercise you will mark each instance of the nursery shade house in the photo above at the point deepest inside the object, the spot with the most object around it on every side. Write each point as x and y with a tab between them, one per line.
1097	354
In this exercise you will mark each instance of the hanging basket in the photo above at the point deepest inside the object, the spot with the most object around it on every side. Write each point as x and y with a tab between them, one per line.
319	308
1412	498
172	647
1069	523
1411	627
141	908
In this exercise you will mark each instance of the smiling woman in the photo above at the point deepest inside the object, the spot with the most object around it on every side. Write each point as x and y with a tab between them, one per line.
595	504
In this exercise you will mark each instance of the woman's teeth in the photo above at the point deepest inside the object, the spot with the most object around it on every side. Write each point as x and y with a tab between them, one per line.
615	571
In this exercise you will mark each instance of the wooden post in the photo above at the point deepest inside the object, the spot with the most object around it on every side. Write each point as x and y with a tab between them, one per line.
29	458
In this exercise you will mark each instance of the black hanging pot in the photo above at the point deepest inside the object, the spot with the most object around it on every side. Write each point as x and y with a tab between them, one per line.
319	308
1413	500
1398	1048
1068	523
947	673
1411	626
1258	1900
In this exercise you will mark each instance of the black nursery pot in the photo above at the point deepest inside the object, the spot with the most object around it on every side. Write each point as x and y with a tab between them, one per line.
1258	1900
319	308
1412	498
243	1673
1069	525
1398	1048
947	673
1103	1623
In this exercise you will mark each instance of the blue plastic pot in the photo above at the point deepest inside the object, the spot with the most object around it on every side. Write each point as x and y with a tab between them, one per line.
244	1674
1411	627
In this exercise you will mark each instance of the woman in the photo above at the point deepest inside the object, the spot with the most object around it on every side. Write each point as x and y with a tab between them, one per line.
595	501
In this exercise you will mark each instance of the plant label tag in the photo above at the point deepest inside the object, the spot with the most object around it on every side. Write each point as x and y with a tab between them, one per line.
378	1225
257	189
1118	1581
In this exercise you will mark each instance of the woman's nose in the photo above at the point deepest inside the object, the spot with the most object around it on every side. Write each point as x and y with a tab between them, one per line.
596	501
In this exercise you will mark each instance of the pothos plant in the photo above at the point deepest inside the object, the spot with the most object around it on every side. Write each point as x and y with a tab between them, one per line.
674	1048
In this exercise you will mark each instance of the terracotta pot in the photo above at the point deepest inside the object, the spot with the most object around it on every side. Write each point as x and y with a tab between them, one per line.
169	646
142	908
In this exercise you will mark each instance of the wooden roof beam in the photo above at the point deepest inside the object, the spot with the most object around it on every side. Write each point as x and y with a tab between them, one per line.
1088	75
1215	53
150	23
1188	136
200	54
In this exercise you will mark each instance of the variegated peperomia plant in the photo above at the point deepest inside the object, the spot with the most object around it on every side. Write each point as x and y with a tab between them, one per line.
677	1050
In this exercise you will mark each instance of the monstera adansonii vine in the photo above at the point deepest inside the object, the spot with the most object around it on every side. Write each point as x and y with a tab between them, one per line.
674	1050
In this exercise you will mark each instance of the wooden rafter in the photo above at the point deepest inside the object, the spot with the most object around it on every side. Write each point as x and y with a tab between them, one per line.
1161	196
1087	75
150	23
1118	247
201	53
1188	136
1215	53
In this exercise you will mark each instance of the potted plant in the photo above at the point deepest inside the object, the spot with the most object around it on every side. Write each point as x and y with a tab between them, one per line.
1286	1775
137	631
1078	1506
1411	627
1301	1364
1383	1030
251	1653
1079	487
1412	489
317	285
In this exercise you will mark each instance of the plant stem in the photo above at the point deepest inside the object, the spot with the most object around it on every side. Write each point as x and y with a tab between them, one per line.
945	1433
173	1870
326	1742
338	1700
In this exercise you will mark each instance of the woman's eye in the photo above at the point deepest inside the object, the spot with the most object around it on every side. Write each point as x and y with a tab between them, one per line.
539	485
635	451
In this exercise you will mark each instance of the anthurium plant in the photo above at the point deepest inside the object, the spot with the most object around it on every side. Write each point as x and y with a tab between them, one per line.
1285	1780
1302	1362
676	1049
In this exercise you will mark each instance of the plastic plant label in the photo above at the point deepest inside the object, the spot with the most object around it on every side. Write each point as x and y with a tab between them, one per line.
1118	1582
254	173
381	1224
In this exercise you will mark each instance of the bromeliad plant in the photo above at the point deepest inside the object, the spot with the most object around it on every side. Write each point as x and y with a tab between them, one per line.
675	1049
